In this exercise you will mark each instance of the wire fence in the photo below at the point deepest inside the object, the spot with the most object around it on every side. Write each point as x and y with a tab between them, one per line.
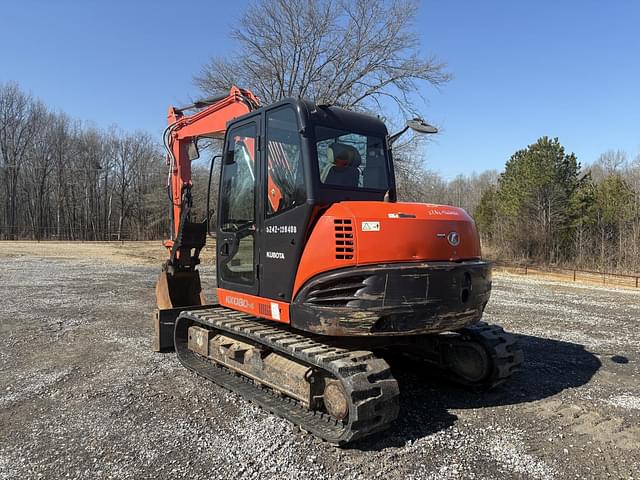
571	274
88	234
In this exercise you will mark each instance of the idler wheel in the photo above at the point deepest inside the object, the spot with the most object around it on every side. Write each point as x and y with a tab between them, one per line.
335	400
469	361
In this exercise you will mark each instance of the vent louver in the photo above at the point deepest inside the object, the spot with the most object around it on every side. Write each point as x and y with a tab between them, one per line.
345	240
336	293
264	309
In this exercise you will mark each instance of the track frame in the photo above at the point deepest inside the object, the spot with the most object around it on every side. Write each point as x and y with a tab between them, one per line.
371	391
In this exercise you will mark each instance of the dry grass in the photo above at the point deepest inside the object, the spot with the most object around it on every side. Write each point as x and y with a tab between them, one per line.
144	252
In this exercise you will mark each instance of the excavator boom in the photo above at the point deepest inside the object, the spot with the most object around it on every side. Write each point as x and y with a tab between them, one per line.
179	282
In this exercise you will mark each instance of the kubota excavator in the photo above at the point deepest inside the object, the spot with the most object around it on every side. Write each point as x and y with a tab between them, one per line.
320	270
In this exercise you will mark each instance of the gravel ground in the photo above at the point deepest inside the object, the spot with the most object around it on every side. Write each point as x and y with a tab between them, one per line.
83	396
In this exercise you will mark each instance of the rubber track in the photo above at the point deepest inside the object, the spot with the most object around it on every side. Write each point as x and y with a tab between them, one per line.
502	347
371	389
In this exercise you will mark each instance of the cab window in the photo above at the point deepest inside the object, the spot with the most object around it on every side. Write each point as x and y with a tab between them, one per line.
239	180
285	178
351	160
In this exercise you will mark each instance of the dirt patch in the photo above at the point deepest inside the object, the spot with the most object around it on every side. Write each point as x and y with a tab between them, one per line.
82	395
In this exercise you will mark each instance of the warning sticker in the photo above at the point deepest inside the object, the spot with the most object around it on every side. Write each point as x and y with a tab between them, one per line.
370	226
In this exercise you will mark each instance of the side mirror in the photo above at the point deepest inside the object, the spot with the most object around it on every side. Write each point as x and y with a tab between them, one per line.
420	126
192	152
417	125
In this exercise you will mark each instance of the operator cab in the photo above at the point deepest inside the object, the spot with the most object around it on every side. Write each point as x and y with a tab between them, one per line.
282	166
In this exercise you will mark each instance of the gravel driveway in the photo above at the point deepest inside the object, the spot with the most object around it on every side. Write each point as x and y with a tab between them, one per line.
83	396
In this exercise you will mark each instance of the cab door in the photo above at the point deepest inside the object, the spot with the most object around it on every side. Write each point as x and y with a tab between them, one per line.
237	226
285	211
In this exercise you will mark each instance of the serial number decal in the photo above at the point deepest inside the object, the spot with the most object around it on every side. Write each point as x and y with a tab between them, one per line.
281	229
275	255
239	302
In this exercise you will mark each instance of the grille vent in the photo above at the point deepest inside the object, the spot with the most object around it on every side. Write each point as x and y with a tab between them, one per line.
336	293
345	245
264	309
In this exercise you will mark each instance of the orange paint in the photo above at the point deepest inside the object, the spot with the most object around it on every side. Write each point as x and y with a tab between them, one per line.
211	122
254	305
384	232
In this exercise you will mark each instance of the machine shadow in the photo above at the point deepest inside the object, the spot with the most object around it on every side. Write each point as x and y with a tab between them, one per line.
550	366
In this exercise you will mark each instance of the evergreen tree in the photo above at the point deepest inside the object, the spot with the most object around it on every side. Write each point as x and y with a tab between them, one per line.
583	213
533	199
485	214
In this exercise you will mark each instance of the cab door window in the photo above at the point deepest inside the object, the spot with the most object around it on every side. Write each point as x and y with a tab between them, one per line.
239	180
237	206
285	178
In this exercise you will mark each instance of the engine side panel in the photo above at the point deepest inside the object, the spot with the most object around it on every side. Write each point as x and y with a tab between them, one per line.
368	233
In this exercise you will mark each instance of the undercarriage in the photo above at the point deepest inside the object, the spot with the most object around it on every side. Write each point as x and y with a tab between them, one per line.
329	386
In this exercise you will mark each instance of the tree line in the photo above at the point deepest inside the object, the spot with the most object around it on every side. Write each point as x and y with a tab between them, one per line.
64	180
545	207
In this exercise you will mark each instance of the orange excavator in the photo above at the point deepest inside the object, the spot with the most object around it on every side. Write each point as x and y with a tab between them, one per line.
321	273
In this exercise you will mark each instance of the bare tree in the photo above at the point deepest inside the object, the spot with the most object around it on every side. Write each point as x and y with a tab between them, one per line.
38	167
413	181
131	153
609	162
18	114
61	145
353	54
59	179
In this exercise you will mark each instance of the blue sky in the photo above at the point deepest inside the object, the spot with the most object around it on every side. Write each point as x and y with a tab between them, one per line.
569	69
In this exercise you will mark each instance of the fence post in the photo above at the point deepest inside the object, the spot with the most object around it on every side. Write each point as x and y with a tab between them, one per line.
574	274
637	282
525	269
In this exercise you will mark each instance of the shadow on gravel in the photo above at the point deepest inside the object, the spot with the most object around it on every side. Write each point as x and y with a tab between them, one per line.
550	367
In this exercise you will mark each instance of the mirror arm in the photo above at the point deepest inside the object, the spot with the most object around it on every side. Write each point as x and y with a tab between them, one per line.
418	125
397	135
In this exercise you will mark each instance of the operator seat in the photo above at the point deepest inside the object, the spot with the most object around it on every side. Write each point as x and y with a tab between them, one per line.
344	160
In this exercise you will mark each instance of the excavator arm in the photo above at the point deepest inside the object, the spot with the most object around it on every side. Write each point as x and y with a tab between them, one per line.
179	282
